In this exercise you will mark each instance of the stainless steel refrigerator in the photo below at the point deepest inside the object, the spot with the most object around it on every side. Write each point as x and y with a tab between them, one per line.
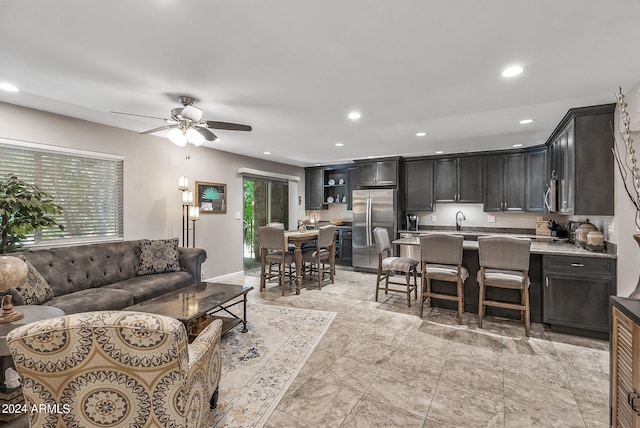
372	208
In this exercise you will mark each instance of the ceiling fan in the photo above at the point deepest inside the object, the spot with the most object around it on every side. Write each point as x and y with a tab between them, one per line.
185	124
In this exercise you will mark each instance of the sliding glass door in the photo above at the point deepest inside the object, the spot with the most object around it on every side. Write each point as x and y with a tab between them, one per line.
265	201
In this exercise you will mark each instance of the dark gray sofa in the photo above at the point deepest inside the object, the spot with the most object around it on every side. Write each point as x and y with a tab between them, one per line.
105	276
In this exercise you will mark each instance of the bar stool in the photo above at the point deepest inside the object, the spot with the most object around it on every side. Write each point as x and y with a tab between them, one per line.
442	260
504	263
273	250
323	254
388	264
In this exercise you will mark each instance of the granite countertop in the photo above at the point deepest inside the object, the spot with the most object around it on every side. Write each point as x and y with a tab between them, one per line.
552	248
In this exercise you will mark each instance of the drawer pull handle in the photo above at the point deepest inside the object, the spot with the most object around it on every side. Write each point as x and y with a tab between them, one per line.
577	265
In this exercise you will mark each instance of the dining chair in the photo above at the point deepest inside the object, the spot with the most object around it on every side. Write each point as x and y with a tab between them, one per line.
323	254
273	250
441	257
504	263
387	264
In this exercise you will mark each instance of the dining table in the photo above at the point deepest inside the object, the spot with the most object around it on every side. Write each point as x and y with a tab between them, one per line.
297	238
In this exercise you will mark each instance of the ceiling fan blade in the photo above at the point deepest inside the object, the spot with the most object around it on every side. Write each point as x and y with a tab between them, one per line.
151	131
208	135
228	126
138	115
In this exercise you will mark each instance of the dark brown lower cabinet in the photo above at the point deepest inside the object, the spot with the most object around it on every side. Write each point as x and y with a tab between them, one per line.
576	294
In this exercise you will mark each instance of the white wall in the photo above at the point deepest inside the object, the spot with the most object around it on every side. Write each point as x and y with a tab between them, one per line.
624	220
152	201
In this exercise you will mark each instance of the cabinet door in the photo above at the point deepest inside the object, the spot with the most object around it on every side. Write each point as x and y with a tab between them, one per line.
470	179
314	189
536	180
493	180
387	173
367	174
352	184
577	301
445	185
570	169
625	375
418	189
513	182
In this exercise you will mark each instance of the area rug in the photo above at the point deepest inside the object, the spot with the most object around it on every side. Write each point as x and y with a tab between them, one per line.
259	366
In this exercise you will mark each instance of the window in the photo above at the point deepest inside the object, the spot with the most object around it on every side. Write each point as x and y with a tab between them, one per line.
88	186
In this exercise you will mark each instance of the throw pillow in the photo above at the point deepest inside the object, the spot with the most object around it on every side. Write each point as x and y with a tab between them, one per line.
159	256
36	290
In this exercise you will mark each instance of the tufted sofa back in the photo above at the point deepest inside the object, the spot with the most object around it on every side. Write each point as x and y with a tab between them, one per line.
78	267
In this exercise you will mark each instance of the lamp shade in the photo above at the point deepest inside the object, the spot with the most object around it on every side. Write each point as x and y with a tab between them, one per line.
195	137
13	272
187	197
183	183
194	213
177	137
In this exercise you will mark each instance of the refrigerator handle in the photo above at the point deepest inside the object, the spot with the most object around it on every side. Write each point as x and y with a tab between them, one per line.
368	222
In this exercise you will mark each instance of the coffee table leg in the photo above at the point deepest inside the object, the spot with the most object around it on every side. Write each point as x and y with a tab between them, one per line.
244	318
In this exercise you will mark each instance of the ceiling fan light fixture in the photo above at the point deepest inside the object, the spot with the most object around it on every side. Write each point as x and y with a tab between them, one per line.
177	137
194	137
192	112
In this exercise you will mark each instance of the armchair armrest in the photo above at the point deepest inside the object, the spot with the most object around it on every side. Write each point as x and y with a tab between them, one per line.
191	260
205	360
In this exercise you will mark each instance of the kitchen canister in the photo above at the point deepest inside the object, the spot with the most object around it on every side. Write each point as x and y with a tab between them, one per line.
581	233
595	241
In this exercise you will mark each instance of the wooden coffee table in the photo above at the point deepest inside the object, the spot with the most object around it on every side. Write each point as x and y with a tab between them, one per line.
196	305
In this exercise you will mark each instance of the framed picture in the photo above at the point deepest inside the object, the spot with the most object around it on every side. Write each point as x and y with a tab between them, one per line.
211	198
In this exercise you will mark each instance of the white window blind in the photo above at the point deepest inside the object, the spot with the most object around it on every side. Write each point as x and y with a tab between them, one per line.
88	186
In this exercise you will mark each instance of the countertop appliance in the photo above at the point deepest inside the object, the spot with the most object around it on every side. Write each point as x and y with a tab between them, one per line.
372	208
412	221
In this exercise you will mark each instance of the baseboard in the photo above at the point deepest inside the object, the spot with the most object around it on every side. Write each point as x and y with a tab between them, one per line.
223	277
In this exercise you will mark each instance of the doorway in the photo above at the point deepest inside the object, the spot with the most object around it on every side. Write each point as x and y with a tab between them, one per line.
265	201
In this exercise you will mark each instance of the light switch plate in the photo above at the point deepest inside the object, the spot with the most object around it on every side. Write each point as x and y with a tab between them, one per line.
238	216
433	217
491	218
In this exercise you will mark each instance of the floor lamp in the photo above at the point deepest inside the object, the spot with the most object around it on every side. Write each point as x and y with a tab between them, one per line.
187	202
194	215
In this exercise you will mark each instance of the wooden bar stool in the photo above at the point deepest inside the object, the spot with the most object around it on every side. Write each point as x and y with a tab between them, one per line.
273	250
442	260
504	263
322	259
388	264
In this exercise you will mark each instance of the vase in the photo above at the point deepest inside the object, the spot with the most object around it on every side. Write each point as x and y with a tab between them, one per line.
635	294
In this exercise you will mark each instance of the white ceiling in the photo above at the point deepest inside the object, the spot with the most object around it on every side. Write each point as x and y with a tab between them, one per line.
293	69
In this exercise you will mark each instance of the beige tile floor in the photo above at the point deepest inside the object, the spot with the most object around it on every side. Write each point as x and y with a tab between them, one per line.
380	365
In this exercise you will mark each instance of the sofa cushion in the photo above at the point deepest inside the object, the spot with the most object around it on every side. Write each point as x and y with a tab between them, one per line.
149	286
36	290
158	256
92	299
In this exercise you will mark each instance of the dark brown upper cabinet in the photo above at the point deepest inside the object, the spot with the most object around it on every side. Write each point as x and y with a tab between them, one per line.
458	179
381	172
504	182
418	185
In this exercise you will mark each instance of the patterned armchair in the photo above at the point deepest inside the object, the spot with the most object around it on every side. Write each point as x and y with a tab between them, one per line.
116	368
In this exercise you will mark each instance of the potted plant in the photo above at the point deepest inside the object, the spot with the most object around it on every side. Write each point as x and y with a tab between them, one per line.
24	208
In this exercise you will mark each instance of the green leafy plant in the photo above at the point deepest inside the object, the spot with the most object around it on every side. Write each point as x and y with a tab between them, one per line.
24	208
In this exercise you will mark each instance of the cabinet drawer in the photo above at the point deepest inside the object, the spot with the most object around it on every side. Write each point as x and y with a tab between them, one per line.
580	265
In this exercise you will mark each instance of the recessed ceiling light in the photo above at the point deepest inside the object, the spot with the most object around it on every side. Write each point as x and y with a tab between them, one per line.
420	134
526	121
339	144
512	71
439	152
370	157
317	164
354	115
517	145
8	87
267	153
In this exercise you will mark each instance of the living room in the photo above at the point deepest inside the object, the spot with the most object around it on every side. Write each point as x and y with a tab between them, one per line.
42	112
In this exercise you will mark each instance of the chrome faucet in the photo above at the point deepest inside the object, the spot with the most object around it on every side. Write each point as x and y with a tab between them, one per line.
459	221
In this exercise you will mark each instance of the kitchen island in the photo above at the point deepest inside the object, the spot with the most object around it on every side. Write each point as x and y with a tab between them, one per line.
570	286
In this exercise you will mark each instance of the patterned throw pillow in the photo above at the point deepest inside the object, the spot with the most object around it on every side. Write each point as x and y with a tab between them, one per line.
159	256
36	290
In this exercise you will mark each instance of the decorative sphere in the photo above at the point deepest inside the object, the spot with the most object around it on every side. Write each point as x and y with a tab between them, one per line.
13	272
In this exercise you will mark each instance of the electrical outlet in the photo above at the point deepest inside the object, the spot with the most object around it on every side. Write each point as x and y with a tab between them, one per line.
238	216
433	217
491	218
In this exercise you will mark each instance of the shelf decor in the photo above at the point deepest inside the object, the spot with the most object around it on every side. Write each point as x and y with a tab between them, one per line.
211	198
